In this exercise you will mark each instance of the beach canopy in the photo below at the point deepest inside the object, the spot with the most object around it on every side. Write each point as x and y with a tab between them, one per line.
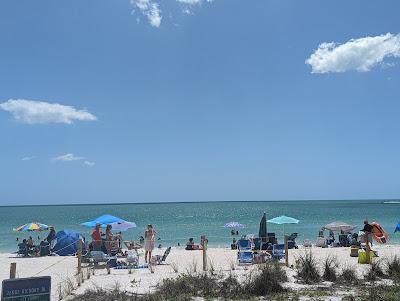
117	223
234	225
67	243
339	226
283	219
262	232
397	227
32	227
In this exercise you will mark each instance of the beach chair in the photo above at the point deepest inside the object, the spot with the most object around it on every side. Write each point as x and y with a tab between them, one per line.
344	240
22	250
245	253
321	242
161	259
96	257
257	244
292	241
278	251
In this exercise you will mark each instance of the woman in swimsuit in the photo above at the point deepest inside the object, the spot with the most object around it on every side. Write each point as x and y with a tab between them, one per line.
149	242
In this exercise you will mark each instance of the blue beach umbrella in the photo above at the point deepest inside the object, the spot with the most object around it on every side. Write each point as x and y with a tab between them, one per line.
234	225
397	228
117	223
282	220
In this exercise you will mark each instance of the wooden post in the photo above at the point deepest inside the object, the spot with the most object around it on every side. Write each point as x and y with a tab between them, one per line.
79	256
204	248
13	270
286	251
367	250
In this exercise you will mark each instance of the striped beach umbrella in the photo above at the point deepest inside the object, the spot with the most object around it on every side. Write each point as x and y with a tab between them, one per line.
234	225
32	227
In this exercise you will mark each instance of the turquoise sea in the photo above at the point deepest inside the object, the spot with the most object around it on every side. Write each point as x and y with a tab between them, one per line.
175	222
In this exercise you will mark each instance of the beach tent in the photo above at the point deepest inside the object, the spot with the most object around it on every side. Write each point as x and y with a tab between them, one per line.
262	232
397	227
117	223
67	243
339	226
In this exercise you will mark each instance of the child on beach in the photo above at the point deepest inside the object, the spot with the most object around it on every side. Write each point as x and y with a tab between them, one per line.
149	242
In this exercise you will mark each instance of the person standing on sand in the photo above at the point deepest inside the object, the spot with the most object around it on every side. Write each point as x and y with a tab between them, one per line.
109	239
149	242
368	230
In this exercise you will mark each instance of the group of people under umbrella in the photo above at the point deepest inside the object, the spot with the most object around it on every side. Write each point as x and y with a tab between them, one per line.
65	242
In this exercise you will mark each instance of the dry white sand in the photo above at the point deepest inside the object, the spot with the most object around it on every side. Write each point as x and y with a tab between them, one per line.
63	269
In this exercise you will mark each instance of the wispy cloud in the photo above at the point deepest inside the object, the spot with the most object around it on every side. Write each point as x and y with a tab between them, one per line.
89	163
67	158
31	112
150	9
357	54
28	158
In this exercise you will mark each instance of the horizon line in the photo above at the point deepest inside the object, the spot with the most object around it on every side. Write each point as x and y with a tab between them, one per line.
195	202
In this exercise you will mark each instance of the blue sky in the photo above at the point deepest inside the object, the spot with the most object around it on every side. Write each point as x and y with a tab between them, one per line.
179	100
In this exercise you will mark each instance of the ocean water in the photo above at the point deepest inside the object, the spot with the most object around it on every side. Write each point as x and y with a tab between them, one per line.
176	222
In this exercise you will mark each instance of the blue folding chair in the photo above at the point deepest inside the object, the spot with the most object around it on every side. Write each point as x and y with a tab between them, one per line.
278	251
245	254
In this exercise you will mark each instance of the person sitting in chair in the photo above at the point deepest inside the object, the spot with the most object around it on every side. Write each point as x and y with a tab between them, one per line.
190	244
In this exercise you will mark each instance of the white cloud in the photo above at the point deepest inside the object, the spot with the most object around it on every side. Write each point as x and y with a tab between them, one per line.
28	158
150	9
89	163
357	54
193	2
67	158
31	112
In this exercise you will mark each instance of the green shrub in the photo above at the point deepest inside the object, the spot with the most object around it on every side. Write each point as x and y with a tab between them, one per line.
375	271
307	268
269	280
330	266
349	276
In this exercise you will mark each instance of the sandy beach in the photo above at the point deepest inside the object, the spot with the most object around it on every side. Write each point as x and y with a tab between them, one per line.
223	261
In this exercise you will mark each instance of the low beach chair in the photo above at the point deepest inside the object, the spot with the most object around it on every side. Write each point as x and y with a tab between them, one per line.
161	259
278	251
96	257
22	250
321	242
344	240
245	253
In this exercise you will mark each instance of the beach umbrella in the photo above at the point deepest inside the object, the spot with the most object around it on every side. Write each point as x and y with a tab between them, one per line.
34	226
234	225
339	226
123	225
262	232
397	227
117	223
282	220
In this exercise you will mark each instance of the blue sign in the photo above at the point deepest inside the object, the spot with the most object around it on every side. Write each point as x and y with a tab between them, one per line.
26	289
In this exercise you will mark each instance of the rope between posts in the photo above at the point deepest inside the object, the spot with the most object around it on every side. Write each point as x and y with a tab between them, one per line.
50	266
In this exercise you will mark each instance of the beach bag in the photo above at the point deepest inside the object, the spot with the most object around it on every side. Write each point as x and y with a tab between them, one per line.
354	251
362	257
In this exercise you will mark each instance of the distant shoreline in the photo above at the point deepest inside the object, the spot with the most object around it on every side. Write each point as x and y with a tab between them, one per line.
384	201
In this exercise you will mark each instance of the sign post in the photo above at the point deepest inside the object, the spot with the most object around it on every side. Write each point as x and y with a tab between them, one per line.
13	270
26	289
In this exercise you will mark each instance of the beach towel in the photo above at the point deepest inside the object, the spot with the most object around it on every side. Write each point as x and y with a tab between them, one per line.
131	267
